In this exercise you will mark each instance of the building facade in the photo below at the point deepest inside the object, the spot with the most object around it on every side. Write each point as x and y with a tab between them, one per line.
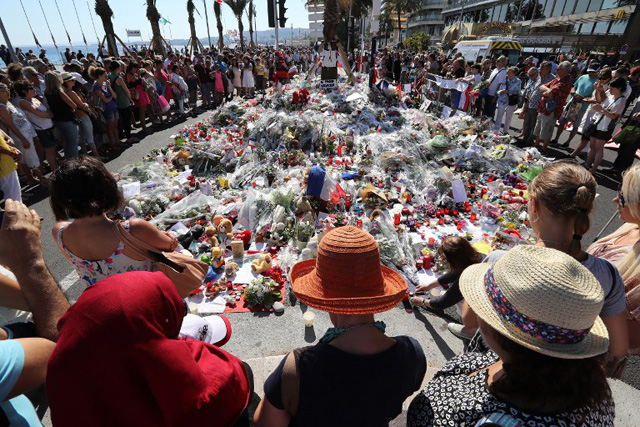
548	25
427	20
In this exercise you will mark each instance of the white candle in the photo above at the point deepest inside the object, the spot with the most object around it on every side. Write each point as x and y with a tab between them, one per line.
308	319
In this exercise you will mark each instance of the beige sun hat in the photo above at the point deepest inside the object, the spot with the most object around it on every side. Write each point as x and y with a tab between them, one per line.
540	298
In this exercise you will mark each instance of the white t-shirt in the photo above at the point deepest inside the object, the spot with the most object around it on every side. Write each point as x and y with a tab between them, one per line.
497	78
612	105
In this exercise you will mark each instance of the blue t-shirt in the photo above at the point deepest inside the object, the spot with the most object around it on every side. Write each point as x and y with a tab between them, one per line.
584	88
111	105
18	411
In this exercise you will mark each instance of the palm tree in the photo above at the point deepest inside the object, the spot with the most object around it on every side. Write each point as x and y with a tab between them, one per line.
386	25
218	12
251	13
401	7
154	17
238	7
192	23
105	13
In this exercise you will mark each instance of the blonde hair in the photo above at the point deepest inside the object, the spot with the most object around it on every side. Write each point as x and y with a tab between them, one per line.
567	190
53	82
631	190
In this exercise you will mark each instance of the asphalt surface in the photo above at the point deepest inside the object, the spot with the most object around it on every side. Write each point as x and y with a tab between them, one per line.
262	335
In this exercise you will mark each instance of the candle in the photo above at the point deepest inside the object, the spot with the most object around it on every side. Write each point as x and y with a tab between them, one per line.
308	319
426	262
396	218
473	217
441	221
432	242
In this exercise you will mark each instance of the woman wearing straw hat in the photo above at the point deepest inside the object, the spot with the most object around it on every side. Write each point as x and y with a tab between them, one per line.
355	375
538	311
561	199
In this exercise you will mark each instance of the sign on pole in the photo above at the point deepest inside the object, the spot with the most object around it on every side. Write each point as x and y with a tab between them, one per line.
133	33
623	49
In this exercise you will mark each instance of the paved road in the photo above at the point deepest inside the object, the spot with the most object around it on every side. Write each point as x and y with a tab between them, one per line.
260	335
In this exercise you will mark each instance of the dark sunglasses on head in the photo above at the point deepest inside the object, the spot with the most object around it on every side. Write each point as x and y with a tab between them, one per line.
620	197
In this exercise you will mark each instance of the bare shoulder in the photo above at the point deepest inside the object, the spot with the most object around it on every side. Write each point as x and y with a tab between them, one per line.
141	228
57	227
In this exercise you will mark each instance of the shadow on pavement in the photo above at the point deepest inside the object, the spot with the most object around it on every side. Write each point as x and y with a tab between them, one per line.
444	348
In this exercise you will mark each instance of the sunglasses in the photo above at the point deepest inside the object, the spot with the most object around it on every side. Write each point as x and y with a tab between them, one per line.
621	201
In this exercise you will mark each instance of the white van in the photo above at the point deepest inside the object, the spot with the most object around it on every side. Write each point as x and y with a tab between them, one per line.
472	49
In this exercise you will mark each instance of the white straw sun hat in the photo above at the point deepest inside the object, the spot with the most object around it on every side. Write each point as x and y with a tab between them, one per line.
540	298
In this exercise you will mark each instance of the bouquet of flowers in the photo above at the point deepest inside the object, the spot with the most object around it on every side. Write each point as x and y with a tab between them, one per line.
262	292
334	221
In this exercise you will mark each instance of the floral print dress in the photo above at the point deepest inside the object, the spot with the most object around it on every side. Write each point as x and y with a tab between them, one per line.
454	397
92	271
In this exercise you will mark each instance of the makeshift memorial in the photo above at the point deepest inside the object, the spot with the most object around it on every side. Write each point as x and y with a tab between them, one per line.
269	178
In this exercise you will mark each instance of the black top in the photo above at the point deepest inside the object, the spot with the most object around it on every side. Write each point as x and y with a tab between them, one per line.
453	294
344	389
61	111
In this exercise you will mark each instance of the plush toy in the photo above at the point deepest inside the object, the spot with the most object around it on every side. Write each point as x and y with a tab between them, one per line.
224	232
217	261
262	264
210	231
230	270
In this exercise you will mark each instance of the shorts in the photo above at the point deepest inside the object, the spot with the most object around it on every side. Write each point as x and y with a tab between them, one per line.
603	135
47	138
110	115
544	126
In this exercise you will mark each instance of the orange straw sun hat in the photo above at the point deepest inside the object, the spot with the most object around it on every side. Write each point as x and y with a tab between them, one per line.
347	277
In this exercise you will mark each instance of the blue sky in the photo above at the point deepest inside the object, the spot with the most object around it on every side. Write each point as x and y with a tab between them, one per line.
128	14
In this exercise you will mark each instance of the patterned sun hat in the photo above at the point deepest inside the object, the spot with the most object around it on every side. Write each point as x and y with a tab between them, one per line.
540	298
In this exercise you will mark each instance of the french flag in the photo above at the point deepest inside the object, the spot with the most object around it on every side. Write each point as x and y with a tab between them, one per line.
323	186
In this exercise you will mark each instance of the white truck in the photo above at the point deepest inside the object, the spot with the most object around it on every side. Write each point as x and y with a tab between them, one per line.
472	49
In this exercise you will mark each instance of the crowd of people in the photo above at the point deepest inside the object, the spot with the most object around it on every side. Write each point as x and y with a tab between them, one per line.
587	95
547	323
92	105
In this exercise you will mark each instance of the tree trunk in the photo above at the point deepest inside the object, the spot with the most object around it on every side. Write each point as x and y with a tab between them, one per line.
112	47
251	23
241	30
194	37
331	20
154	16
158	47
218	12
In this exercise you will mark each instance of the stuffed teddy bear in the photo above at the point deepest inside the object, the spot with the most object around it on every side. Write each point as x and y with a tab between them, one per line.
230	270
225	234
210	231
262	264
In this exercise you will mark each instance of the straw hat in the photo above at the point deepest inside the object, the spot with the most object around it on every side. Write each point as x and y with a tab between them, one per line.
347	277
540	298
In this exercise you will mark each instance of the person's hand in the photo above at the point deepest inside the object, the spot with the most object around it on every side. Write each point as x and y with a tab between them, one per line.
19	236
636	115
25	143
17	154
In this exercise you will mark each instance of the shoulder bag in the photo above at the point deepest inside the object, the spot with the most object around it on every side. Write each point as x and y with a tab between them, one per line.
185	272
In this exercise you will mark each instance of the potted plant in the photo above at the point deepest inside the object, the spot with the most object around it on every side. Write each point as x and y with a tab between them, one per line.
304	231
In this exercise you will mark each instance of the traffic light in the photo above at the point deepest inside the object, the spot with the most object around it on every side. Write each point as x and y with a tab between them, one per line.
271	11
281	11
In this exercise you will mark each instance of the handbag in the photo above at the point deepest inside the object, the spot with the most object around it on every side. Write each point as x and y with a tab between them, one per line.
186	273
99	124
513	99
163	103
627	134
